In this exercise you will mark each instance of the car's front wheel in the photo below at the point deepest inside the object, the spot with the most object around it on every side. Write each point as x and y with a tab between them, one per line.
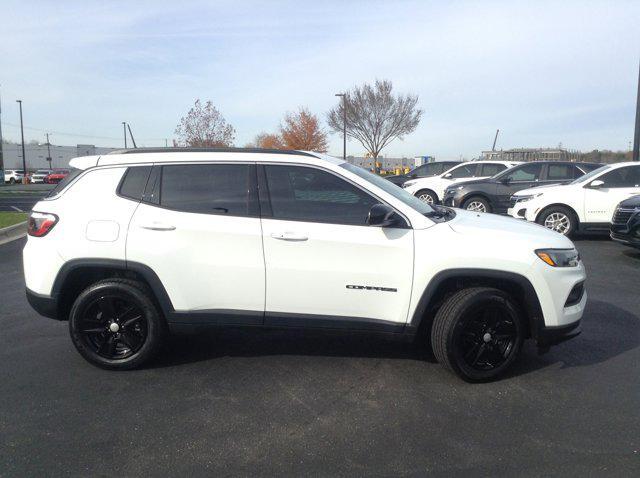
428	196
477	333
559	219
115	324
477	204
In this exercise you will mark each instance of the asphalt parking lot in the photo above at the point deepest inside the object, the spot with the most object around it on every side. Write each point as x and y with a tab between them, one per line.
19	198
238	402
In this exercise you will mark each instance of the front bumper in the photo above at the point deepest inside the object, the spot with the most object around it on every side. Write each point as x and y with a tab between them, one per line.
628	233
549	336
43	304
451	198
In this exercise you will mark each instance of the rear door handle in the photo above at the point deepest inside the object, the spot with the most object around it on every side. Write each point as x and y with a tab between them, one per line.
158	226
289	236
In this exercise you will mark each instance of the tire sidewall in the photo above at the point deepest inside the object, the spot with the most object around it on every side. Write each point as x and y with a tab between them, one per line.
152	318
479	301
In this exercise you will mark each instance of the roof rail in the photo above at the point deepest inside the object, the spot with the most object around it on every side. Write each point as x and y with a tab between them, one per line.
211	150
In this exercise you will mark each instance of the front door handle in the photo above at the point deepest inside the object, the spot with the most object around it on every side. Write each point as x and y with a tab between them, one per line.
158	226
289	236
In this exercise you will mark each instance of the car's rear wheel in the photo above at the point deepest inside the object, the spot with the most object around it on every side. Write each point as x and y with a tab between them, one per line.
559	219
12	180
478	333
477	204
115	324
428	196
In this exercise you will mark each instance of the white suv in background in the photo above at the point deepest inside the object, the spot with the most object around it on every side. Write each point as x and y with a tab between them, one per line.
136	243
431	190
13	176
586	204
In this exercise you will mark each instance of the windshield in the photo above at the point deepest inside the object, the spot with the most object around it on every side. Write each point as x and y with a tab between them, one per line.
398	193
590	175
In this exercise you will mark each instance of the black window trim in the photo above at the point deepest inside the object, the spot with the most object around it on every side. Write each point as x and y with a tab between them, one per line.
265	199
124	177
252	205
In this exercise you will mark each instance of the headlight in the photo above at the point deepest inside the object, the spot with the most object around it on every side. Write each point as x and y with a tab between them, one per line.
559	257
527	198
408	183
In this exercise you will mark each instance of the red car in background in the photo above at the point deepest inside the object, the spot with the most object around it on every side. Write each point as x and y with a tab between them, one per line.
56	176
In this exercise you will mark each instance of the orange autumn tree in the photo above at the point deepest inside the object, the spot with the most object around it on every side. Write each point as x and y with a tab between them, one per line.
268	141
301	130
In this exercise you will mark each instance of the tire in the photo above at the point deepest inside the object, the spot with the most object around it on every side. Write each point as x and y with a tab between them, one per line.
477	204
428	196
559	219
116	325
478	333
12	180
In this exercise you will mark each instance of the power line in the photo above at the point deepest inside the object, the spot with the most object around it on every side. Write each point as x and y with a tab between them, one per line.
78	135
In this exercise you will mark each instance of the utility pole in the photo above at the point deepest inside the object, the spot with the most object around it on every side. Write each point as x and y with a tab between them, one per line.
344	125
636	135
131	134
493	148
124	130
25	180
49	152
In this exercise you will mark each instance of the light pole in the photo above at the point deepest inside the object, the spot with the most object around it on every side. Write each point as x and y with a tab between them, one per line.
49	152
124	129
25	180
344	125
636	134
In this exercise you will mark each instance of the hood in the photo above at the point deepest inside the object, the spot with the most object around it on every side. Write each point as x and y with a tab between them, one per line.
633	201
507	230
472	182
544	188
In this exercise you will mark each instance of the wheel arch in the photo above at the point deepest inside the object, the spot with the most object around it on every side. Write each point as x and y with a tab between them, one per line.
77	274
435	195
449	281
563	205
476	194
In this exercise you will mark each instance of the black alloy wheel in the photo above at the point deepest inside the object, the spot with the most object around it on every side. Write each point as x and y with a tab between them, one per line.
115	324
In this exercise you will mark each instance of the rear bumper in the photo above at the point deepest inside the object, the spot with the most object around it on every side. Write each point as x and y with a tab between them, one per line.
43	304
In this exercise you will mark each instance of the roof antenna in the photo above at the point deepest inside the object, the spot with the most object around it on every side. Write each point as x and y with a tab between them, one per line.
131	134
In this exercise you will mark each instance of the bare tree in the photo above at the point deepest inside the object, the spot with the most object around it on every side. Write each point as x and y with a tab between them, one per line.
204	126
375	116
301	130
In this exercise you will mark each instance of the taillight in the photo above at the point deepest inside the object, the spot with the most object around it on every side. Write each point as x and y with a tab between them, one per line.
40	223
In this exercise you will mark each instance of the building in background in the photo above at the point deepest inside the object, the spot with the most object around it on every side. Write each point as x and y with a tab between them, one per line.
532	154
37	155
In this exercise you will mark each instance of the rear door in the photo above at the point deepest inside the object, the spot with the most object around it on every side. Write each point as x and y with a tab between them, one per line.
324	265
619	184
558	173
521	177
198	229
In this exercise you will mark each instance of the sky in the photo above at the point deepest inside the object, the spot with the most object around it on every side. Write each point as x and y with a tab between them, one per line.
544	73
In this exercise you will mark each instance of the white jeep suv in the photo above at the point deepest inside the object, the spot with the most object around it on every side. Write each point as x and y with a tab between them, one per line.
586	204
431	190
137	243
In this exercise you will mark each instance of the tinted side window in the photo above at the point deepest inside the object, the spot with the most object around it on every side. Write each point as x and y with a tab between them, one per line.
134	182
307	194
206	188
466	171
628	177
528	172
492	169
562	172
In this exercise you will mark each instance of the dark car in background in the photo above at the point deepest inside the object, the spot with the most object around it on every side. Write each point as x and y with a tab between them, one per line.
494	194
423	171
625	224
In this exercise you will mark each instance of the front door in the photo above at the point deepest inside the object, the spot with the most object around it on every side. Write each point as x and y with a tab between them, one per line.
199	231
619	184
324	265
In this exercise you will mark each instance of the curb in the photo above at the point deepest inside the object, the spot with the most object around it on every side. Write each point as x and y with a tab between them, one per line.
11	233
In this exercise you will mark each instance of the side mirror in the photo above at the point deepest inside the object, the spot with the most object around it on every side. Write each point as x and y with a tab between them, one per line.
447	176
505	180
383	216
596	183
